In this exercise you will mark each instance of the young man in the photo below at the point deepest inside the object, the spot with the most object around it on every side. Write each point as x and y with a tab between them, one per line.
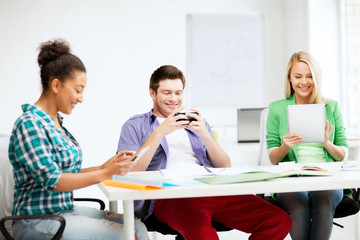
176	143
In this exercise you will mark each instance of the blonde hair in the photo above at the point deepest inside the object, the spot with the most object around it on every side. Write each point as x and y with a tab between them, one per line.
307	58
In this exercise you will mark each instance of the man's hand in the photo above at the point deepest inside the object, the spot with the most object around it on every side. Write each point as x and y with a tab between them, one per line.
198	125
172	123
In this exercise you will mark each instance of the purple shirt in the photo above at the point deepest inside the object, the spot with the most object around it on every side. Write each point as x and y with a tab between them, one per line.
138	128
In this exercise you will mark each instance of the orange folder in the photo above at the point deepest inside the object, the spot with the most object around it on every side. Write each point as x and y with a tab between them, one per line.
137	186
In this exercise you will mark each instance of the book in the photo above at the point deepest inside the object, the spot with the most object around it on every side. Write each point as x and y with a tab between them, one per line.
306	171
264	175
240	177
137	183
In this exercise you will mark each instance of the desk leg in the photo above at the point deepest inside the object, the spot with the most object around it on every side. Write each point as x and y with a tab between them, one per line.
113	206
357	222
129	229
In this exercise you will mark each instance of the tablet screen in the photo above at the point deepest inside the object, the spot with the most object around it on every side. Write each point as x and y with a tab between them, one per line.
308	120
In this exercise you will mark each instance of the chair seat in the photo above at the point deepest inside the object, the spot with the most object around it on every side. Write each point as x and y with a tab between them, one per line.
153	224
346	207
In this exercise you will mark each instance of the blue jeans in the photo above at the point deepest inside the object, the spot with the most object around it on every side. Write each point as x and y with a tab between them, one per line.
311	212
81	223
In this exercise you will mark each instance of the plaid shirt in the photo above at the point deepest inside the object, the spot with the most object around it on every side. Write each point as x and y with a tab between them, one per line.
39	154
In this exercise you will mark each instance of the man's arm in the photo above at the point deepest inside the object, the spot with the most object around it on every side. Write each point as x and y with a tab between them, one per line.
153	141
217	156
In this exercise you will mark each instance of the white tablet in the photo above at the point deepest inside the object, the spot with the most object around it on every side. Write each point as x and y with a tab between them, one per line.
308	120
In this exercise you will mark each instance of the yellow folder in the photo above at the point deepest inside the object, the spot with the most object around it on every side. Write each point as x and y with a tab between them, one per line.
137	186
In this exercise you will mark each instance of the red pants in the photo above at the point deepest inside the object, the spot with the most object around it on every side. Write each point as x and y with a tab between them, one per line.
192	217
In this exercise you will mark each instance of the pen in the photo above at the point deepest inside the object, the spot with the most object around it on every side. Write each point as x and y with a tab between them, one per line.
207	169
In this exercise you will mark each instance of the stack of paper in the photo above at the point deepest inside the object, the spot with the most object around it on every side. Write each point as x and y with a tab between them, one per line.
137	183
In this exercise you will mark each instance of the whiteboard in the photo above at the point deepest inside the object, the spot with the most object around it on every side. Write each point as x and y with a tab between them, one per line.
225	60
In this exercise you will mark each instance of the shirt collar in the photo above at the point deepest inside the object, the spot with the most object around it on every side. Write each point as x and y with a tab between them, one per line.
41	113
292	99
151	116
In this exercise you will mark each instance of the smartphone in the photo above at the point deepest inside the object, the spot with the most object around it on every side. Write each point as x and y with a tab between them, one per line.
190	119
140	154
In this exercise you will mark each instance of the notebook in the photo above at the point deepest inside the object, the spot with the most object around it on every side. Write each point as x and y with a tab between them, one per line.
137	183
308	120
239	178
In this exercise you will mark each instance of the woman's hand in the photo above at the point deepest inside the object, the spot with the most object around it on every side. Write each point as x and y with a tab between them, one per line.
336	152
120	164
328	131
290	140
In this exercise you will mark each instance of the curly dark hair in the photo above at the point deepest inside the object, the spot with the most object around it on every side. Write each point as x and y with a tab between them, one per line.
56	61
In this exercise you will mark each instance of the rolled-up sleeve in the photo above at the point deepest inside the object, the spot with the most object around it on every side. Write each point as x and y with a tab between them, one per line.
130	137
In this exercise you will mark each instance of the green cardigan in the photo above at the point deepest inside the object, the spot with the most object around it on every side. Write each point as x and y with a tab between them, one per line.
277	126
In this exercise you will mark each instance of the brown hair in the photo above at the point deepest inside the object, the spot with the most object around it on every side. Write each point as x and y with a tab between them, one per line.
165	72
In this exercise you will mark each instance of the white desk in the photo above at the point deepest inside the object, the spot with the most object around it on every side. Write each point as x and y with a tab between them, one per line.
339	180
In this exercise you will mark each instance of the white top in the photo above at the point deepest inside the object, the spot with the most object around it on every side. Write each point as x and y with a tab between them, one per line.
181	155
310	153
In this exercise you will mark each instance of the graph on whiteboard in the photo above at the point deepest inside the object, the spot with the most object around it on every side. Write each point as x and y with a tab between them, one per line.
225	60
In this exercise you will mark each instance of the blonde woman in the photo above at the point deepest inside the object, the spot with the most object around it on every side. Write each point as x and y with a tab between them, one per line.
311	212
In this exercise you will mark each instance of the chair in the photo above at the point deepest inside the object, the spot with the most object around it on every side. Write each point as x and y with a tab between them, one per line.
263	159
7	197
347	207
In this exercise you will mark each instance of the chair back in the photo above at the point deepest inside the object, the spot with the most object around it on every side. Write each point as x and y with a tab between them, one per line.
263	158
6	182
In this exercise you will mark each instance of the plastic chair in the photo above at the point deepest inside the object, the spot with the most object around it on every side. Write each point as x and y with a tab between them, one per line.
263	159
7	193
347	207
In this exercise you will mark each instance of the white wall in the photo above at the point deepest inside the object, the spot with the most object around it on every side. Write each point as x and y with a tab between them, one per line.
324	39
121	44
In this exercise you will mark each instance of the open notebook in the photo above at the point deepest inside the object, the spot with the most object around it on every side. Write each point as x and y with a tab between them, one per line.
240	177
265	175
